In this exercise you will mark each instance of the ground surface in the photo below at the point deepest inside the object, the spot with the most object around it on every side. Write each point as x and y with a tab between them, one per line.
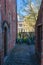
22	55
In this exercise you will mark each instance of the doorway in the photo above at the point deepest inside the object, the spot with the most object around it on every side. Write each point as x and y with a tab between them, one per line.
5	41
39	40
39	37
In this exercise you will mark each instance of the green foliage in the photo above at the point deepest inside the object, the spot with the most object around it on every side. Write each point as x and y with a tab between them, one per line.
30	39
32	11
19	34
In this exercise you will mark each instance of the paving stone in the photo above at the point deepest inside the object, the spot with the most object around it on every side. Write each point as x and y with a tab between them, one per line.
22	55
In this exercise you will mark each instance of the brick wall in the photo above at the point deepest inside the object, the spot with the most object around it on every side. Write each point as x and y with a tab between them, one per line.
8	19
39	45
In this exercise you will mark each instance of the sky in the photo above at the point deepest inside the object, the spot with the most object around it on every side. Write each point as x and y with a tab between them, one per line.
21	5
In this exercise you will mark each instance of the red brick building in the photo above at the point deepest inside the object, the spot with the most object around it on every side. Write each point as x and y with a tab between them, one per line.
39	36
8	27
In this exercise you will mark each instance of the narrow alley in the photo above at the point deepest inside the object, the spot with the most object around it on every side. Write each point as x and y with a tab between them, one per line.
22	54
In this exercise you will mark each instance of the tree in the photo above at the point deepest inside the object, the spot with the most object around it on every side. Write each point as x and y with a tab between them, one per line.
32	12
29	24
31	8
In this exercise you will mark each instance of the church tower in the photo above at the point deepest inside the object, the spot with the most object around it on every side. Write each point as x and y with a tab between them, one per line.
8	27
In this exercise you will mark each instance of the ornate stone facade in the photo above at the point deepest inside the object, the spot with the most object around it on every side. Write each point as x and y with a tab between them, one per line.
8	27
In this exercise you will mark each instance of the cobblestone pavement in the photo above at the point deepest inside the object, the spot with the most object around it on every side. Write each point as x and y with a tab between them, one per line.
22	55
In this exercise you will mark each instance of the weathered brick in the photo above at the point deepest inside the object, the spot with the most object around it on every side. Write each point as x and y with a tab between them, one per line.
39	35
8	19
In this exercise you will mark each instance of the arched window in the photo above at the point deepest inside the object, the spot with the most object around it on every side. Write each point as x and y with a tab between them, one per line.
5	28
5	6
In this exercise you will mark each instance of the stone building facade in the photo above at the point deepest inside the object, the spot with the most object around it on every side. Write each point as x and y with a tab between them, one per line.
8	27
39	36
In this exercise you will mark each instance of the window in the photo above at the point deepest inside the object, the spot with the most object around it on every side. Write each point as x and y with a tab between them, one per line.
5	33
20	25
5	6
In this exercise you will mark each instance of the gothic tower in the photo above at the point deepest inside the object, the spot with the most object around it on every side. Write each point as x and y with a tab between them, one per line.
8	27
